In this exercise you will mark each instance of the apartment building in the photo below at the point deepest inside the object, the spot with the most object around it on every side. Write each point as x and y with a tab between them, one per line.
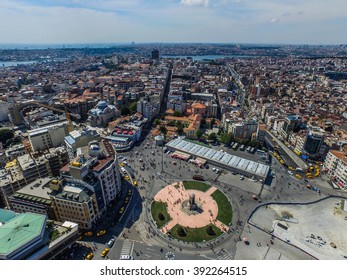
48	137
97	166
335	165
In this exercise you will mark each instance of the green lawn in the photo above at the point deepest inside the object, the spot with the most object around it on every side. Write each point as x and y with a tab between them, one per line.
196	185
156	209
195	234
225	212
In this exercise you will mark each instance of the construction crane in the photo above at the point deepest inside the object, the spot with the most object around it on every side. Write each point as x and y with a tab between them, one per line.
67	114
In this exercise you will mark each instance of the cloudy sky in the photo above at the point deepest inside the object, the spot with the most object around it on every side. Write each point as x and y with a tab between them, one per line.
222	21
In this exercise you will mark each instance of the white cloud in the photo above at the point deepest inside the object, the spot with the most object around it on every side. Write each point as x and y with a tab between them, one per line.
203	3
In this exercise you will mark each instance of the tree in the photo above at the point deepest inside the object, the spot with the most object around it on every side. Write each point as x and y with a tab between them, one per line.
198	133
225	138
157	122
177	114
133	107
202	122
212	137
212	122
180	129
210	231
124	110
6	134
163	129
161	216
181	232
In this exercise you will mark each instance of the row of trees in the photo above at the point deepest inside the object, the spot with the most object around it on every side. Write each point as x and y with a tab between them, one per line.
125	110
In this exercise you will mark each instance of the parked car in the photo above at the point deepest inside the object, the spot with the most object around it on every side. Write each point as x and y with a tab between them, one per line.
111	242
89	256
105	252
101	232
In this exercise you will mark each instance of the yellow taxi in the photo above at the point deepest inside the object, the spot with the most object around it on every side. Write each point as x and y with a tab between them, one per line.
104	252
88	233
89	256
101	232
291	168
122	164
275	154
135	183
281	161
127	177
298	176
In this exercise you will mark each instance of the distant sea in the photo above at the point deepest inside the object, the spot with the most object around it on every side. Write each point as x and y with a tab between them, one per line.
56	46
206	57
15	63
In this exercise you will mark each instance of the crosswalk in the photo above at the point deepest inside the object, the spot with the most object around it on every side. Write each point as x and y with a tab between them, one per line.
224	256
128	247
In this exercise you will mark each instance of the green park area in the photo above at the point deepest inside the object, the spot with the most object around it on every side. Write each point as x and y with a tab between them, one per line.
225	212
160	214
206	233
196	185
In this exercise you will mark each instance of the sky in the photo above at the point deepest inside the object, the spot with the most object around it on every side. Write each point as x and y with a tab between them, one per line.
213	21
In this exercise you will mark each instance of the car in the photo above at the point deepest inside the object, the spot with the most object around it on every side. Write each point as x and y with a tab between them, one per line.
135	183
126	257
217	171
130	191
88	233
125	162
121	210
122	164
298	176
213	169
291	168
140	160
105	252
80	238
126	200
290	172
242	177
120	157
282	161
234	173
111	242
89	256
101	232
127	177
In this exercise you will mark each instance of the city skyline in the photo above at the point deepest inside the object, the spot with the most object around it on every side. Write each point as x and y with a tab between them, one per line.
207	21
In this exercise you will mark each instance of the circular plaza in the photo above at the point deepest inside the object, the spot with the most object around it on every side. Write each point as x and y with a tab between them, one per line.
191	211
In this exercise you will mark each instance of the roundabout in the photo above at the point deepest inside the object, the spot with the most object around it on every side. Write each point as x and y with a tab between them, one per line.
191	211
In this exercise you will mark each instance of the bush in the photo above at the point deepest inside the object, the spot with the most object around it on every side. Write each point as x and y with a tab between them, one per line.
161	216
181	232
210	231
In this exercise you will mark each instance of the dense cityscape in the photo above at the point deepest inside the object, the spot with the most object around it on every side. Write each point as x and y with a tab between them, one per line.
173	151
